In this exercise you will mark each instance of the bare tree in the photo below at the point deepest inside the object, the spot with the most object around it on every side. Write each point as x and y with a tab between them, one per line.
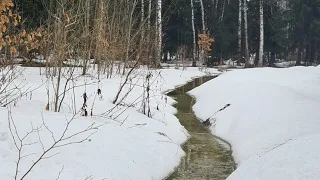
87	35
159	31
11	88
194	50
261	42
202	17
223	10
149	14
245	16
239	33
202	54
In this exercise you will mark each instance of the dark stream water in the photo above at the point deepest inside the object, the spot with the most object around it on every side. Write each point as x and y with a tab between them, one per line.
207	157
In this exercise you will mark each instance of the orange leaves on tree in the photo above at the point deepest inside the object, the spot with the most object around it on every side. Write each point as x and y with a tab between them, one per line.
13	50
10	39
67	18
5	5
205	41
23	33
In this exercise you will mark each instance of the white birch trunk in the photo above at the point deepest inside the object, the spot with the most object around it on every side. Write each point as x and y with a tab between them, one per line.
239	31
202	54
142	11
194	35
217	5
202	17
223	9
149	14
261	43
249	62
138	55
159	30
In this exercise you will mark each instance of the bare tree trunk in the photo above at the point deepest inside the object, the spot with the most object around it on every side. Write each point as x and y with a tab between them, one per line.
194	63
239	32
159	31
261	44
56	102
142	30
129	34
149	31
87	34
202	17
99	34
142	17
223	9
216	8
245	10
299	57
272	59
149	15
202	55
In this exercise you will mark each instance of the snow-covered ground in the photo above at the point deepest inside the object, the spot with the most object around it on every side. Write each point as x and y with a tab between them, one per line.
125	145
272	123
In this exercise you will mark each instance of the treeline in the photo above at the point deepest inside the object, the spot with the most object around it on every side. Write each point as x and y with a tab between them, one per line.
291	29
107	31
276	29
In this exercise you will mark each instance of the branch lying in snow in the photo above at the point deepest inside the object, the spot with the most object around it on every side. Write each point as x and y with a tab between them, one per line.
277	146
163	134
208	123
62	141
60	173
137	126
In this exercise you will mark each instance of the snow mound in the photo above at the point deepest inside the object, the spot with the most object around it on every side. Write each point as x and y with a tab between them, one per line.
272	123
125	145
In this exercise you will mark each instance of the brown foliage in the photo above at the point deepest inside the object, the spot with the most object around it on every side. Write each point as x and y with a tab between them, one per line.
205	42
10	39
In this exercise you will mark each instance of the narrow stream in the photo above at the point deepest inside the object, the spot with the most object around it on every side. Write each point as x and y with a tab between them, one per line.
207	157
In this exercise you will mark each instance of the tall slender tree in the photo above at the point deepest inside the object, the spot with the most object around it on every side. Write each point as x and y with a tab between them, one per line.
261	42
245	16
239	32
194	49
159	31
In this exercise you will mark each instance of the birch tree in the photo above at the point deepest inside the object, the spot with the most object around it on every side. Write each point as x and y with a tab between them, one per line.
194	35
159	31
261	42
142	18
223	9
239	32
202	55
149	14
202	18
245	16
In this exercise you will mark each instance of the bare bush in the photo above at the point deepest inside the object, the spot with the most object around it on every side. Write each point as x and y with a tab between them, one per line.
11	89
64	139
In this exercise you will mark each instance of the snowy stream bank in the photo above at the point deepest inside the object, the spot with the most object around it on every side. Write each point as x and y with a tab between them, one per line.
272	123
126	145
206	157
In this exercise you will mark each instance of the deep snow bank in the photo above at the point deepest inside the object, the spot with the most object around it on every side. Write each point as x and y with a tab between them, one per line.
129	145
273	122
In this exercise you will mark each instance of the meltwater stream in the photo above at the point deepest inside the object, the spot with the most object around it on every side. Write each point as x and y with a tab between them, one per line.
207	157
